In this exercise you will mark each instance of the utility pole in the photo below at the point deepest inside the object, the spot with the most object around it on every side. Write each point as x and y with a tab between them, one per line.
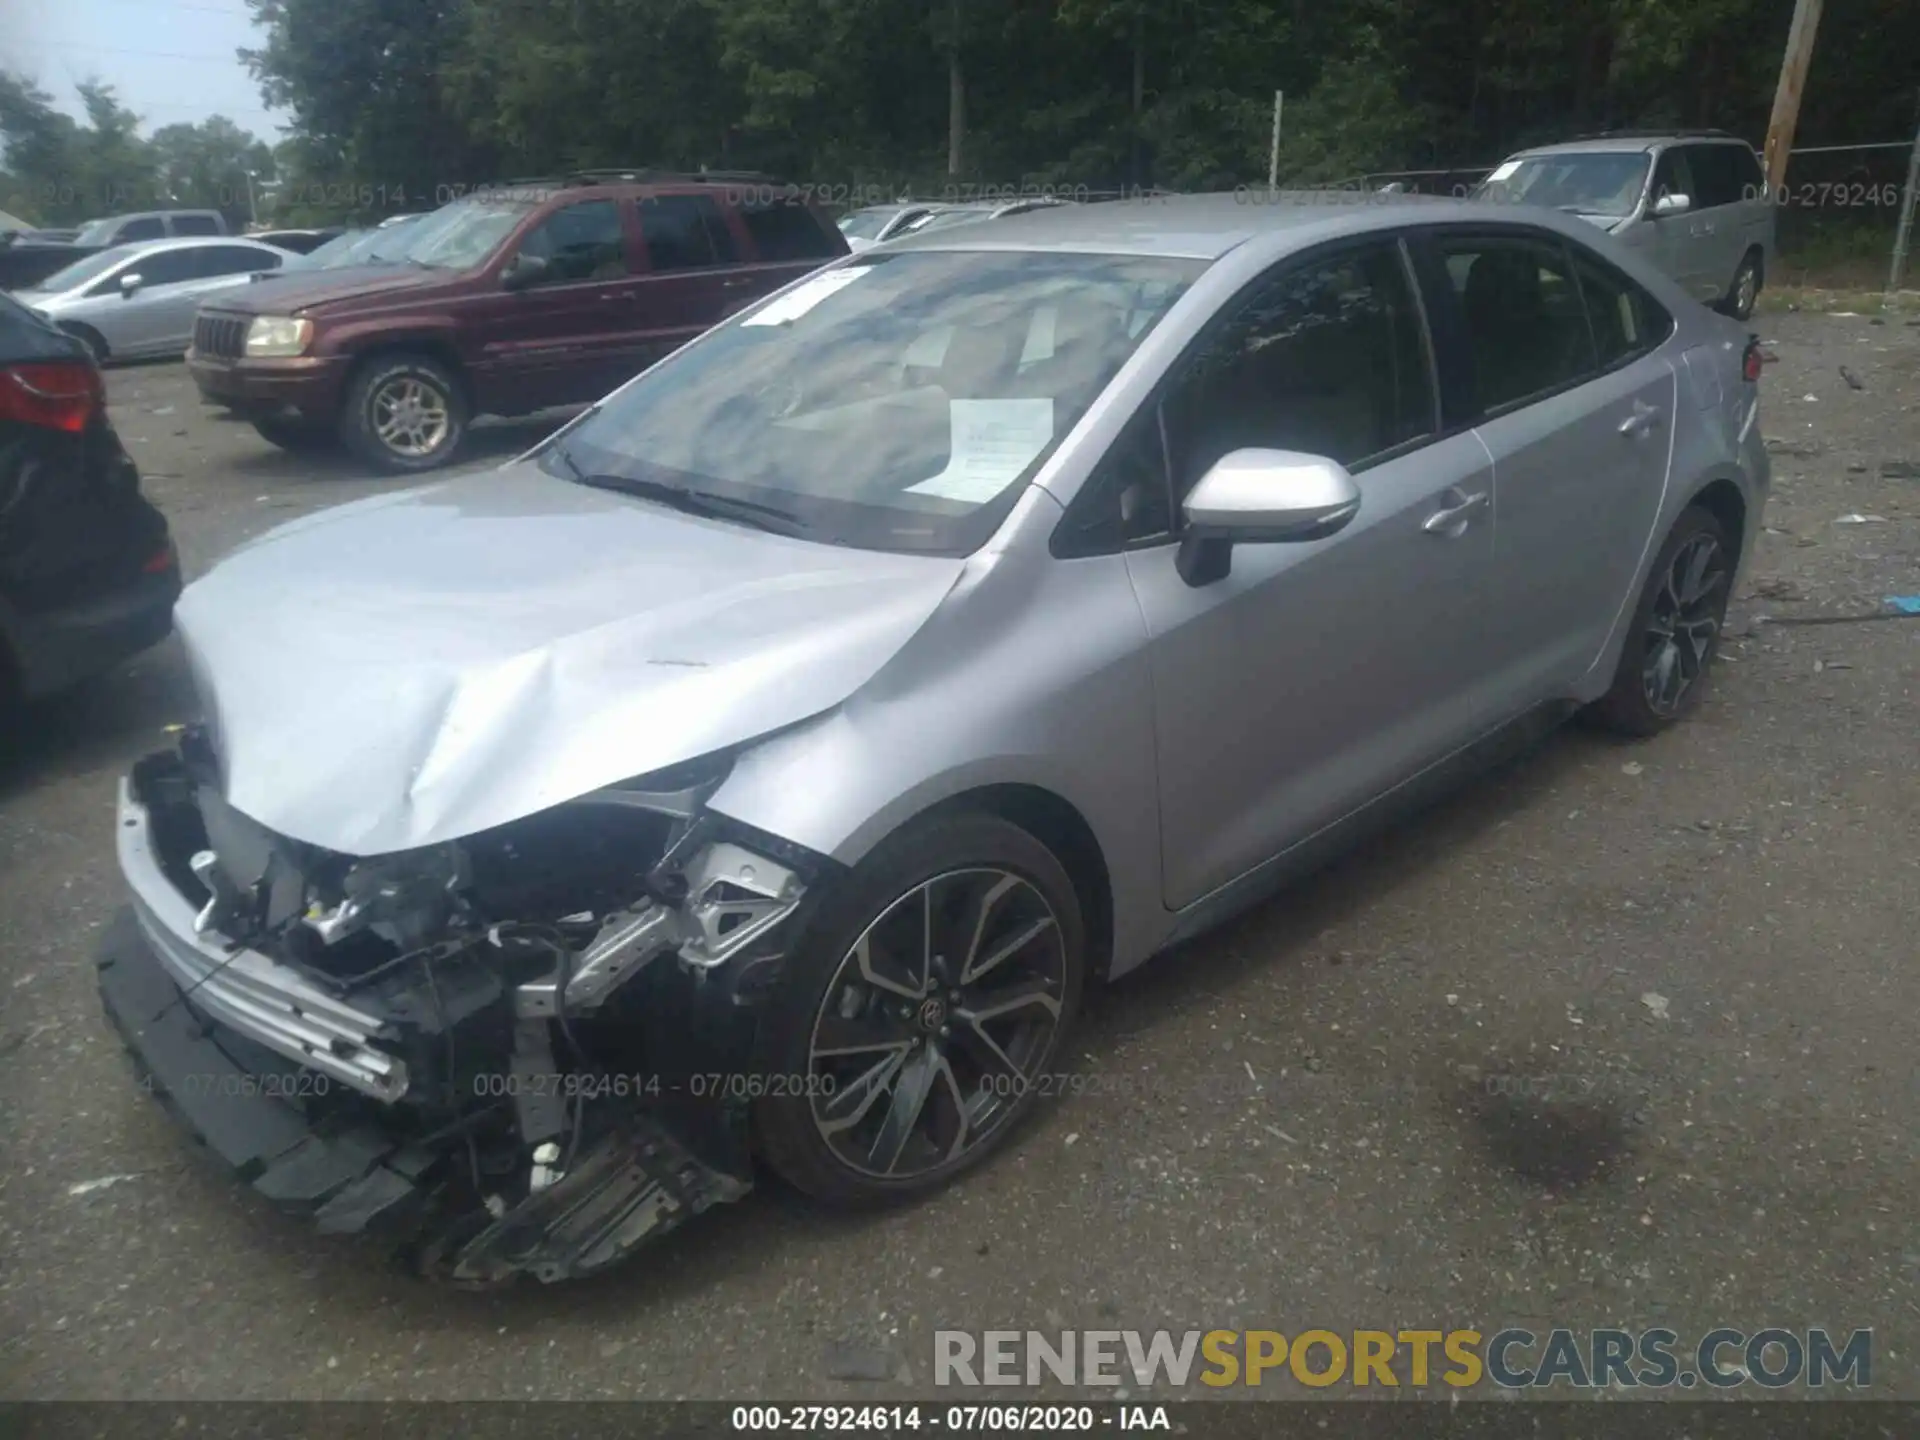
1273	151
1786	95
1904	235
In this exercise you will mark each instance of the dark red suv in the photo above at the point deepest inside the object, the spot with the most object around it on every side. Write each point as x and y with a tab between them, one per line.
507	301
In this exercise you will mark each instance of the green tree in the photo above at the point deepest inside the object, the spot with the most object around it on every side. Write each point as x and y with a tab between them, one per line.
213	165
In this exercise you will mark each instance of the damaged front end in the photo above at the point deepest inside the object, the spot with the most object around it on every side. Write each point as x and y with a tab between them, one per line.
527	1050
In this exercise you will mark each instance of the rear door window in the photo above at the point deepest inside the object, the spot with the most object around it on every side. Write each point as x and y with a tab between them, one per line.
217	260
1525	322
786	230
582	242
150	227
685	232
195	225
1716	181
1746	169
1626	320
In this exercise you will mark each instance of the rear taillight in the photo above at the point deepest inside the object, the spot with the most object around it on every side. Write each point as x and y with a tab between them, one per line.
1751	362
57	395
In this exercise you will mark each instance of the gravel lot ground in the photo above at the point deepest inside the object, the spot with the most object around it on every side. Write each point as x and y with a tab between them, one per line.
1299	1121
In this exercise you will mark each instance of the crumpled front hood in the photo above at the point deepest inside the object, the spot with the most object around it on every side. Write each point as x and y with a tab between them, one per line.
417	667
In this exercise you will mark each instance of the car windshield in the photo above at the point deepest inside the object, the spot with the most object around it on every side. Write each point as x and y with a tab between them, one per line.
81	272
899	402
1593	183
457	236
358	247
322	257
867	224
96	232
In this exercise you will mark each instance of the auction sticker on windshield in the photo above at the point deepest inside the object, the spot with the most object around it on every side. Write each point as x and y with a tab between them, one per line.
804	296
993	442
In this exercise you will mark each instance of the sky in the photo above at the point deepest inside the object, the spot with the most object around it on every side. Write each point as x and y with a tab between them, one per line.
168	60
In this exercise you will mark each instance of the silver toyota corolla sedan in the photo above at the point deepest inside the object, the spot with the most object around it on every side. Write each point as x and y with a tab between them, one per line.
137	301
759	772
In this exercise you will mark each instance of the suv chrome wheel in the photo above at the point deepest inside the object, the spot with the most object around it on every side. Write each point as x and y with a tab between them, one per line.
410	417
934	1023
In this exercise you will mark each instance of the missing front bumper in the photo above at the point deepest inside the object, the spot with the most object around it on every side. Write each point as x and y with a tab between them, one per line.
360	1168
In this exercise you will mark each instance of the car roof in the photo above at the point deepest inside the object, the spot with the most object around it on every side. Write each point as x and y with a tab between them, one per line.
187	242
1195	227
1619	144
147	215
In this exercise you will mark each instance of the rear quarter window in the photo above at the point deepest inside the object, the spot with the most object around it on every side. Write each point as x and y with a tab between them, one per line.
787	230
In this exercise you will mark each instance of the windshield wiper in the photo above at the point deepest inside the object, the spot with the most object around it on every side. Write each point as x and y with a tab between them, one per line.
689	501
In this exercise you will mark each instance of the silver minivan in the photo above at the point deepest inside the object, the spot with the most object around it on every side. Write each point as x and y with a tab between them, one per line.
1693	201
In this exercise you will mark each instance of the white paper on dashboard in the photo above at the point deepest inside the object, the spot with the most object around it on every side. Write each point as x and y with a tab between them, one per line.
993	442
804	296
1505	169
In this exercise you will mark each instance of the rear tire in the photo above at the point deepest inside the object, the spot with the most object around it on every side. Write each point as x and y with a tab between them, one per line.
1675	630
404	413
884	992
1745	288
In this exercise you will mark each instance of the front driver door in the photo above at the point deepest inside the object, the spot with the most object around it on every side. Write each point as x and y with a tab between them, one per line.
1315	675
564	338
146	322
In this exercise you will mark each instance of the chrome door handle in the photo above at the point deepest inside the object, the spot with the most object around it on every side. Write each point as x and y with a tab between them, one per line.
1452	521
1642	421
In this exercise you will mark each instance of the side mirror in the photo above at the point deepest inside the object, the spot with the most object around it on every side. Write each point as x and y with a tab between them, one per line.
523	270
129	284
1672	205
1255	497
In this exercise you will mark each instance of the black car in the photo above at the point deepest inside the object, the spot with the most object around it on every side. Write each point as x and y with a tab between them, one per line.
88	574
25	261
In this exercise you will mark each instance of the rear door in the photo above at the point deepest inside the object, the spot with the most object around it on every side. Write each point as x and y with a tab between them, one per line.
1575	403
214	268
1750	217
567	337
693	275
1718	232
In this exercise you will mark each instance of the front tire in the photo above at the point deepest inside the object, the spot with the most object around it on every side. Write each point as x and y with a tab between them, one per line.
923	1002
1675	629
404	413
